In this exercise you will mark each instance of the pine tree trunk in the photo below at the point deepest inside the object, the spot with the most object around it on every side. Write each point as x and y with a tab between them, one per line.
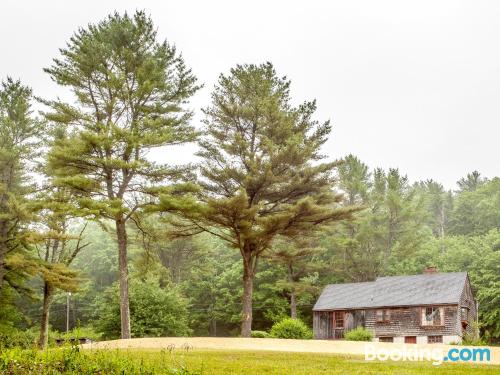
213	327
121	234
441	228
293	305
3	249
246	318
3	243
48	294
293	300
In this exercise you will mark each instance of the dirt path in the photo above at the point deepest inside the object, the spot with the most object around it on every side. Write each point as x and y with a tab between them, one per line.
234	343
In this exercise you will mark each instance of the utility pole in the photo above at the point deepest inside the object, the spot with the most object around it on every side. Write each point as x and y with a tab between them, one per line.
67	311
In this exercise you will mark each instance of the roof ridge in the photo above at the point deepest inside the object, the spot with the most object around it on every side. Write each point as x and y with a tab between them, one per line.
354	282
422	274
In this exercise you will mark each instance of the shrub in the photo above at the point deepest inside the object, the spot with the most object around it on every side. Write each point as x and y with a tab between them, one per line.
155	311
290	328
473	341
18	338
472	338
81	332
359	334
260	334
72	360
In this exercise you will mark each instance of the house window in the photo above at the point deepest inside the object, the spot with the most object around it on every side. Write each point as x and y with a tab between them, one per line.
386	339
338	319
383	316
434	339
432	316
410	339
465	313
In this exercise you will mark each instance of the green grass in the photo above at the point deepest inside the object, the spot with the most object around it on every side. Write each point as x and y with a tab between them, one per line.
73	361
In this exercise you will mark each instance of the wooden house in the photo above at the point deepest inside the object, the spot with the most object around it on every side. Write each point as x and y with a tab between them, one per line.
428	308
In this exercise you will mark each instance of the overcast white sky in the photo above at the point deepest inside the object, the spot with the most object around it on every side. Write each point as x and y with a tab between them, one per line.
408	84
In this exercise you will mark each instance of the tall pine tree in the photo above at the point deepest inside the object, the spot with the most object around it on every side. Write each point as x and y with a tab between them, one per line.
130	91
19	131
261	174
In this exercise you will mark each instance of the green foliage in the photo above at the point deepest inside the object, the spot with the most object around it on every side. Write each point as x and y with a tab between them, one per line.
477	211
99	262
20	134
261	175
76	361
259	334
155	310
17	338
301	261
471	338
388	231
289	328
359	334
129	92
265	194
28	338
80	332
214	362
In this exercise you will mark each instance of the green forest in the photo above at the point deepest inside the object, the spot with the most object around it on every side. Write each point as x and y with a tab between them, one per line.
92	229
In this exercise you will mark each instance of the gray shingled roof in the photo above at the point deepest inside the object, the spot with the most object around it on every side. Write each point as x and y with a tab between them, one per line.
425	289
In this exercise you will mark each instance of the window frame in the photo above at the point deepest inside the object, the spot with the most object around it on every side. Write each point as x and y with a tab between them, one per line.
386	316
410	339
335	320
467	312
387	339
423	317
431	341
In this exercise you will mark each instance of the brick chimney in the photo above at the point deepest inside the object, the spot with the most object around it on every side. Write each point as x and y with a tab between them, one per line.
430	270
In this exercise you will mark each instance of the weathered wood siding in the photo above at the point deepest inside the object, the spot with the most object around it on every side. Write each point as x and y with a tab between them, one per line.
322	324
406	321
467	300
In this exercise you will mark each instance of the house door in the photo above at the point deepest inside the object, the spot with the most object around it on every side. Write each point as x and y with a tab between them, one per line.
338	324
410	339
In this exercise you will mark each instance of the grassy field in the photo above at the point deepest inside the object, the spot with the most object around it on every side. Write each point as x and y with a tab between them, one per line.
74	361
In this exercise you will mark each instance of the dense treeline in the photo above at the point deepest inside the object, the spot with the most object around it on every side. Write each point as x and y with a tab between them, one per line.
245	238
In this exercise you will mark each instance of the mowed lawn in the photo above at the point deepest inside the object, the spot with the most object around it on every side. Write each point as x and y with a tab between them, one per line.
210	361
264	362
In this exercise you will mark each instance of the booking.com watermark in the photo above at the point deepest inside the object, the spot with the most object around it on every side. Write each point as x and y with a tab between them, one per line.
436	355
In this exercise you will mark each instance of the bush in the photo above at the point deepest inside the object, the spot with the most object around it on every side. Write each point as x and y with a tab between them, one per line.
359	334
18	338
81	332
155	311
72	360
472	338
290	328
473	341
260	334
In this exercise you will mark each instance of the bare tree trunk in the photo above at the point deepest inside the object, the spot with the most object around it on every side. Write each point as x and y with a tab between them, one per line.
3	244
293	299
248	273
441	228
48	294
3	249
213	327
121	234
293	305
